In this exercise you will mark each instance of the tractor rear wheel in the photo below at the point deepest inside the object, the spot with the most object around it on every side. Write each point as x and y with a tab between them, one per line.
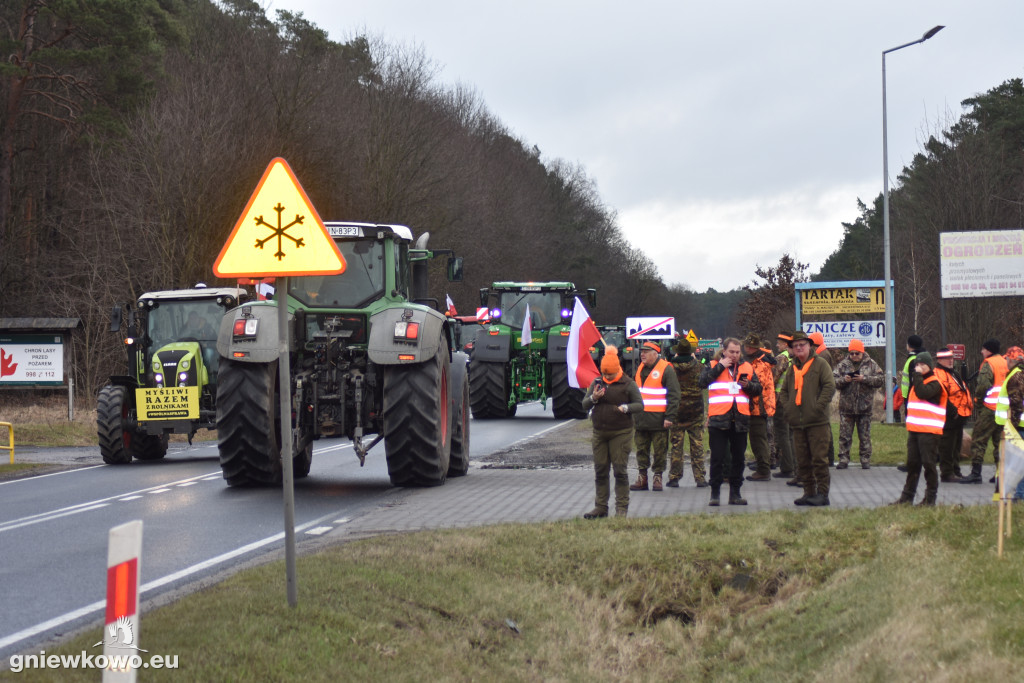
458	465
247	423
566	401
111	415
488	390
417	421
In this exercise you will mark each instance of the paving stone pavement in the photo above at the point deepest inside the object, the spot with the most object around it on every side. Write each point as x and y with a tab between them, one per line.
490	496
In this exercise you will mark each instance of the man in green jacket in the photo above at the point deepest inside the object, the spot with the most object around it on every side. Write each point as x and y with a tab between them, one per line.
806	396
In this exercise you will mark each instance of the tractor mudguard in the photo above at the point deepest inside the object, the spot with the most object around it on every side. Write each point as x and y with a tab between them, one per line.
262	347
384	349
492	349
557	346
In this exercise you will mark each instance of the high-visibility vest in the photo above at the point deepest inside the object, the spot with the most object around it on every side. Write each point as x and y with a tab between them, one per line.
725	392
652	390
1003	402
998	365
923	416
782	375
905	377
956	393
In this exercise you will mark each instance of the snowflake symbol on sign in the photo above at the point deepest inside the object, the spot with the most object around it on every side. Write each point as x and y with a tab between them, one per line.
280	231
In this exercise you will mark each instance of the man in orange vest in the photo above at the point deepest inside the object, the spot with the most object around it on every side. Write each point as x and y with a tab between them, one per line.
761	407
926	416
659	388
986	396
731	384
958	409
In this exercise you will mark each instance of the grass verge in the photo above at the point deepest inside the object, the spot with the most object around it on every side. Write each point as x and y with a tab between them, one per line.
861	595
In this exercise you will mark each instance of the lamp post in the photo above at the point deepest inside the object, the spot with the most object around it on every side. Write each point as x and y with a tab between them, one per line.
890	317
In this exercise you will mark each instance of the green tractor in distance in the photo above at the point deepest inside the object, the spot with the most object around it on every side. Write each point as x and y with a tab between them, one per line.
171	387
503	372
370	353
629	350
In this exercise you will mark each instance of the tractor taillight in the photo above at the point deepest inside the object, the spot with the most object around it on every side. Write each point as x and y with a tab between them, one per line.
405	331
245	327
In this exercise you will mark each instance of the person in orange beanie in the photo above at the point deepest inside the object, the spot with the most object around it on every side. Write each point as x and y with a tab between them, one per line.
611	399
857	378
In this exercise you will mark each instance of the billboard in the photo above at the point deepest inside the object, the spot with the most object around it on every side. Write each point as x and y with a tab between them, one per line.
31	359
981	263
831	300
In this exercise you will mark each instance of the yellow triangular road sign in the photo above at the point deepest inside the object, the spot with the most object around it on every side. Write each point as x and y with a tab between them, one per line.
279	233
691	337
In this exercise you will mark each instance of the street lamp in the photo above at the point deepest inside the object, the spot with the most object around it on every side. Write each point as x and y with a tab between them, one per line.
890	317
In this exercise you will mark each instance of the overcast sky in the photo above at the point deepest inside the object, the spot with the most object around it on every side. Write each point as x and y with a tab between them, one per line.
723	134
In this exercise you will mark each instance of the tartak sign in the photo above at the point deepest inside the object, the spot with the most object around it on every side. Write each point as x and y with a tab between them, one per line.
842	300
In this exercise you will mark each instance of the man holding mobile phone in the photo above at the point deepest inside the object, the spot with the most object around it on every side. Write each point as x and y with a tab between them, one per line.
857	378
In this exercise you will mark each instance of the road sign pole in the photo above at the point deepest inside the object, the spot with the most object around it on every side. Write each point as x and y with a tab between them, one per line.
286	432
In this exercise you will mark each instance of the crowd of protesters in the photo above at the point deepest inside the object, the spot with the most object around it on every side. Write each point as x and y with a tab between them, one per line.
779	405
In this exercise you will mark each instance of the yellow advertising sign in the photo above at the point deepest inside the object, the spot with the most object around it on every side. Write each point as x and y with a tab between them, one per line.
279	233
842	300
167	403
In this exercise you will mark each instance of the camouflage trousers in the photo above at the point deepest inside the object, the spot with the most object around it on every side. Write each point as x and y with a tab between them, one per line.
847	423
611	455
985	430
651	445
677	435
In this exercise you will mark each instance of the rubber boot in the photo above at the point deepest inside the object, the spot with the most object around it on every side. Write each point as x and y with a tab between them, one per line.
974	477
641	482
735	498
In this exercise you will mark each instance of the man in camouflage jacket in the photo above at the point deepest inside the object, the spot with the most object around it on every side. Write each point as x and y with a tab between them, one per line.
689	419
857	378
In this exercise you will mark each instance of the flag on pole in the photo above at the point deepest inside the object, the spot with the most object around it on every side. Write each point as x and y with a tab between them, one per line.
451	305
583	335
527	337
1013	460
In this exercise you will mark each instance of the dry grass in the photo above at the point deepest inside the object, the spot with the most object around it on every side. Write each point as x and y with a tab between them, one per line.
865	595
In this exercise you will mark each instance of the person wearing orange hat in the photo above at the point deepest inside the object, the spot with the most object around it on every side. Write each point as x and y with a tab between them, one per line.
611	399
822	351
659	388
857	378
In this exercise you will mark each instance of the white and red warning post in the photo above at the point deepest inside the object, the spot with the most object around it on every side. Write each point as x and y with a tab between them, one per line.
122	657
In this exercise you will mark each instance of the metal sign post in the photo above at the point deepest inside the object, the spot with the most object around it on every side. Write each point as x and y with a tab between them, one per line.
288	476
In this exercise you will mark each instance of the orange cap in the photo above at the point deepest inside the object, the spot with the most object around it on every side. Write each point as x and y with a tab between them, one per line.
856	345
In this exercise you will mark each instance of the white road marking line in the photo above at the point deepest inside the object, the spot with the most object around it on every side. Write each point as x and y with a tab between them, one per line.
51	474
125	500
319	531
159	490
187	483
170	578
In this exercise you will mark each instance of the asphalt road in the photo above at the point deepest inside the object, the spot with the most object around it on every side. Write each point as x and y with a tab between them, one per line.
53	528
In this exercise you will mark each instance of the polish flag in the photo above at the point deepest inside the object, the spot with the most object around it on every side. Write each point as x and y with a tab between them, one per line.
527	336
451	305
583	335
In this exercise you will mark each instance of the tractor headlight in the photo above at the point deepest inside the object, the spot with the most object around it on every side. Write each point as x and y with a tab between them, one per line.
185	364
159	379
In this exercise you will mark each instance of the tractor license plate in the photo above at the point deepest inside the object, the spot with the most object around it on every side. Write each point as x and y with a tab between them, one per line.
167	403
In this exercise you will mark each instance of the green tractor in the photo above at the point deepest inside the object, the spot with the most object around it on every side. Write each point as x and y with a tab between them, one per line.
370	353
171	387
503	371
629	350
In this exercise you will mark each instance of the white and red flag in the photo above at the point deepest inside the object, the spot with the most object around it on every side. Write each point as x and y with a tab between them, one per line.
526	338
583	335
451	305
